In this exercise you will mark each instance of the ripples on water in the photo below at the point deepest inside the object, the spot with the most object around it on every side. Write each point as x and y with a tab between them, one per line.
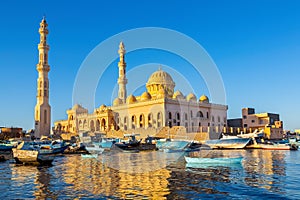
155	175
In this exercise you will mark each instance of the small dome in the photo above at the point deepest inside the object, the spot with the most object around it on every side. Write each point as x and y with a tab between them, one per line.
191	97
131	99
117	101
178	95
204	99
102	106
145	96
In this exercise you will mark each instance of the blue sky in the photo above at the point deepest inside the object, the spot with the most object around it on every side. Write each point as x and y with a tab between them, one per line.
255	45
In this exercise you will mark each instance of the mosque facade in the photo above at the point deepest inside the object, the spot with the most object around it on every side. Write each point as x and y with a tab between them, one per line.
158	107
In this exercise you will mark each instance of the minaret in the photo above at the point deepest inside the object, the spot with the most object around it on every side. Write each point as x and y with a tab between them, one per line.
122	81
42	109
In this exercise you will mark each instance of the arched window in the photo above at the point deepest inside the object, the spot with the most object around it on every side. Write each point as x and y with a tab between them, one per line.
219	119
125	123
191	113
142	121
170	115
212	118
133	122
185	116
159	120
200	114
45	116
150	120
207	115
177	116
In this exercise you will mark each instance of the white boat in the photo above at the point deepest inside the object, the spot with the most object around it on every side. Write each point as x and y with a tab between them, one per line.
226	160
31	157
89	155
172	145
234	143
92	148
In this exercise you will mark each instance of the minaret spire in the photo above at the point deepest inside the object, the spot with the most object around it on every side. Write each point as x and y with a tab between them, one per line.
122	81
42	108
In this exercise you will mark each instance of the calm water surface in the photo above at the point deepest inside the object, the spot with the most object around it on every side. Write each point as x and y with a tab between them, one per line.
155	175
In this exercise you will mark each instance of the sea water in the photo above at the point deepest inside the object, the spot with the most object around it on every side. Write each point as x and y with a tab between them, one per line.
263	174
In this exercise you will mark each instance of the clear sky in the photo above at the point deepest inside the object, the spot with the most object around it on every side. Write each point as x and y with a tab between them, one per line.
255	45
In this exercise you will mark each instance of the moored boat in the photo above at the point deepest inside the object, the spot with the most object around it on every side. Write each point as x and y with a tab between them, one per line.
94	148
225	160
273	146
31	157
232	143
89	155
6	145
172	145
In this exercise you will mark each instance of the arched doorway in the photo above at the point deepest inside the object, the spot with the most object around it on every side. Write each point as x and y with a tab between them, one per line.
98	125
103	125
92	125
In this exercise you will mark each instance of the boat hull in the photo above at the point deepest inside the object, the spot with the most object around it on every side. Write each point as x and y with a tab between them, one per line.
172	145
31	157
213	160
236	143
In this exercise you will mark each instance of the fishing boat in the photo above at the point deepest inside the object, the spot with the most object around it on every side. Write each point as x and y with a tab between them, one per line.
130	144
94	148
274	146
169	145
294	141
6	145
231	143
225	160
24	154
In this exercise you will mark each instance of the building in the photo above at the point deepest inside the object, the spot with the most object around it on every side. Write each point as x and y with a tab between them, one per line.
156	108
42	111
10	132
250	121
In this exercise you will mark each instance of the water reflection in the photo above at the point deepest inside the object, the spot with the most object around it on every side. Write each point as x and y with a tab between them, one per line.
261	173
92	176
43	183
265	169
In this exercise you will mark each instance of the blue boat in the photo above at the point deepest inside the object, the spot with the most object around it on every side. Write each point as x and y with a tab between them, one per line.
6	146
225	160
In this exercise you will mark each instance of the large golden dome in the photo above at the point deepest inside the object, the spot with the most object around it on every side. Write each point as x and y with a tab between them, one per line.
160	79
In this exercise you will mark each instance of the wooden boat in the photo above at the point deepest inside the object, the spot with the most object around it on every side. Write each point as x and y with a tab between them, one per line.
232	143
213	160
31	157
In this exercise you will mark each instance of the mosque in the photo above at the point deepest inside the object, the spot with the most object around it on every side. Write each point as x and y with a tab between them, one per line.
155	109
